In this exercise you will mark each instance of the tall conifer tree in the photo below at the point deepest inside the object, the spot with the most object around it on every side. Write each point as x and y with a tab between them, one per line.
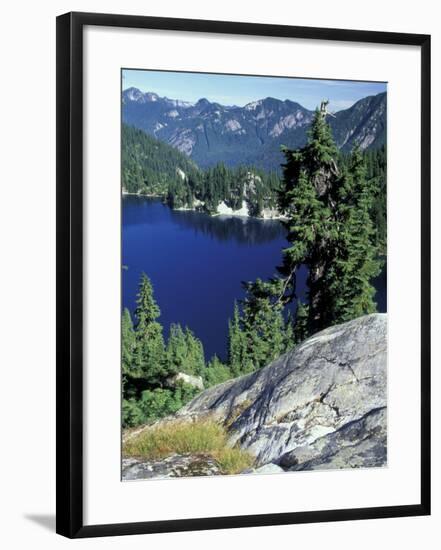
311	178
149	356
330	231
356	258
128	343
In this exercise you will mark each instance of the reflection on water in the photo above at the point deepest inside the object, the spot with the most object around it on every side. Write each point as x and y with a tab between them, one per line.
223	228
226	228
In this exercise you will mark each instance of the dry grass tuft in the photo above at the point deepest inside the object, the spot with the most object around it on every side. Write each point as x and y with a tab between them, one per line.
194	437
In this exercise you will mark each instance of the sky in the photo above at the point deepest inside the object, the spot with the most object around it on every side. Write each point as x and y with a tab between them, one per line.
240	90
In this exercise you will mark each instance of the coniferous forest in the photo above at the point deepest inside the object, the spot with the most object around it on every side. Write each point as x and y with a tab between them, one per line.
333	207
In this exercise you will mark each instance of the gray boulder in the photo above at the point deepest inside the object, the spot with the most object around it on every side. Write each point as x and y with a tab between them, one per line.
169	467
195	381
321	405
270	468
361	443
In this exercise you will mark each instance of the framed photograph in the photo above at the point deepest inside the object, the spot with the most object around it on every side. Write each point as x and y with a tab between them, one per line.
243	274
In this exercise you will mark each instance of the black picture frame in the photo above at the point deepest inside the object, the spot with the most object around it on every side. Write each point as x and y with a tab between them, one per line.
69	334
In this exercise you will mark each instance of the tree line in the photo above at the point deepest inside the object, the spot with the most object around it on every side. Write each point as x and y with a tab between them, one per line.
332	228
149	166
152	167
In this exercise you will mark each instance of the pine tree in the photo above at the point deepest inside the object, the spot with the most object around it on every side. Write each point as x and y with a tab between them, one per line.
289	335
356	262
149	356
311	178
238	360
195	354
185	352
263	325
301	324
176	349
330	231
216	372
128	343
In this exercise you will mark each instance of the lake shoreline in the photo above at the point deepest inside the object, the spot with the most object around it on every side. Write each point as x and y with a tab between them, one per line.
230	214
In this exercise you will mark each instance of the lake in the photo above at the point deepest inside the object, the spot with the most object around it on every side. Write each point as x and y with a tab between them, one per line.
197	262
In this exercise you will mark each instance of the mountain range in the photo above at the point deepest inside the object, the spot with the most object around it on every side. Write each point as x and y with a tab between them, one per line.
209	132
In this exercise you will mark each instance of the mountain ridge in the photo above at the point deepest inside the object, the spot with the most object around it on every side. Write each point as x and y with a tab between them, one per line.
209	132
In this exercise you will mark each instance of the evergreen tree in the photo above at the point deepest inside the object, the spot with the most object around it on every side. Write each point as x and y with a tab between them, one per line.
185	352
238	360
216	372
263	324
195	354
330	231
236	344
260	334
289	335
176	349
301	323
149	358
375	161
356	262
128	343
311	179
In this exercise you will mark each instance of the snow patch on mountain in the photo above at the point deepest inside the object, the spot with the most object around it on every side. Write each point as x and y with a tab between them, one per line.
233	125
252	106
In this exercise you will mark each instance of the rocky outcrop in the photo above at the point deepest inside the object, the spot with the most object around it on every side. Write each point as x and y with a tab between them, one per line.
181	377
324	402
225	210
270	468
321	405
360	443
171	466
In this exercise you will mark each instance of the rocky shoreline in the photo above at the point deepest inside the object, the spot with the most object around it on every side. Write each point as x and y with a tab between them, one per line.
222	209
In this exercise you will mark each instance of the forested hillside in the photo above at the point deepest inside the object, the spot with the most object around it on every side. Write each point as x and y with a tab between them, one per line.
150	167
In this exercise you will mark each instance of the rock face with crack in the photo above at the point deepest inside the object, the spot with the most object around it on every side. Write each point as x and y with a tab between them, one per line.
360	443
320	406
325	400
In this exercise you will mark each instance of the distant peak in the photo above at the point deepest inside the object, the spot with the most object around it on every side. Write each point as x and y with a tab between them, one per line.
151	96
134	94
253	105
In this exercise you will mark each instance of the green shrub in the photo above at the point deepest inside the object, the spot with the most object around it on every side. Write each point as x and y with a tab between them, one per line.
216	372
155	404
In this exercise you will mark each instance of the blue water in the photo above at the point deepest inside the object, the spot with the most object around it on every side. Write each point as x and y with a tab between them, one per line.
196	264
